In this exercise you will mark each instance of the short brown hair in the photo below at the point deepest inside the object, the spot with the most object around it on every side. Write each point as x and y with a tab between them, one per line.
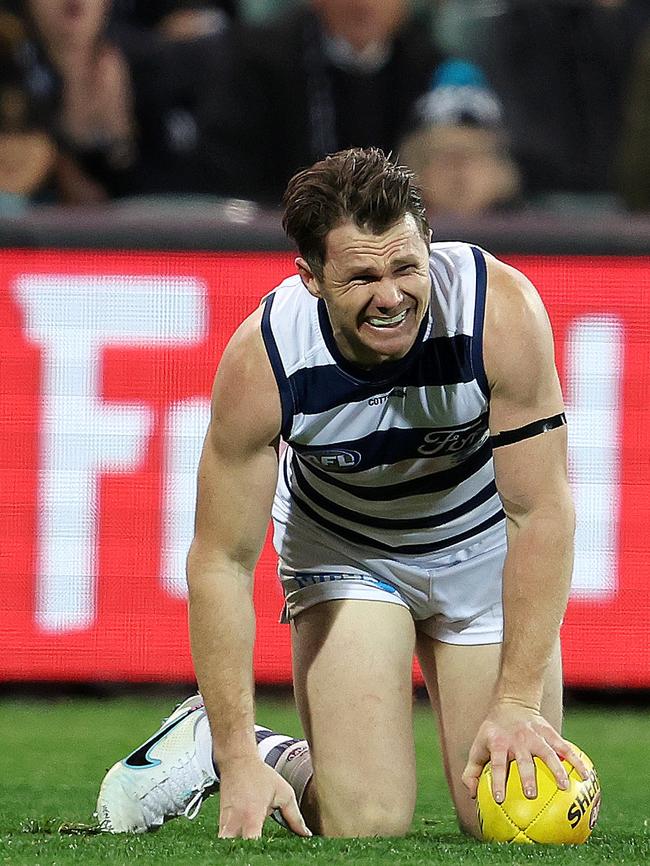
360	184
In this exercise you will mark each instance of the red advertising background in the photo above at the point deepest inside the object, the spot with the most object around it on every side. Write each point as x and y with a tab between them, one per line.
106	362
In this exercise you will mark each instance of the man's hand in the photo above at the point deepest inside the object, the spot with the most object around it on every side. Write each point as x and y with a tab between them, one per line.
512	731
250	791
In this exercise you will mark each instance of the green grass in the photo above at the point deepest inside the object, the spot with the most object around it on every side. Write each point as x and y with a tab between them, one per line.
54	754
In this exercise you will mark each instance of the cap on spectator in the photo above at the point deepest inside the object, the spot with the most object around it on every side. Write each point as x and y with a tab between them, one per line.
459	96
458	147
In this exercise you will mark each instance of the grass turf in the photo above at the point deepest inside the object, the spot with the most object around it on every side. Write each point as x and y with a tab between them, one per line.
54	754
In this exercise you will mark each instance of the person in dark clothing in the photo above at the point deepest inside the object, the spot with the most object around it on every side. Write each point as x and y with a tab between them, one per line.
634	156
27	153
560	69
121	101
329	75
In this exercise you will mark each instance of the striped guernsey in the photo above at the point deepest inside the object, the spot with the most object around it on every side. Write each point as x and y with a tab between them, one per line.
395	461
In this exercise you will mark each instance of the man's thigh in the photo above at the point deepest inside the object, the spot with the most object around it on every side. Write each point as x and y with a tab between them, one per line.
460	680
352	678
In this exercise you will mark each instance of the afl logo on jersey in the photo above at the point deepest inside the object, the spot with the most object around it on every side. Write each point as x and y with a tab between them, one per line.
453	440
333	460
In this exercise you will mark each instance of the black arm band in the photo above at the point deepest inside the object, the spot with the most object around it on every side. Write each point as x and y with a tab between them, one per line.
507	437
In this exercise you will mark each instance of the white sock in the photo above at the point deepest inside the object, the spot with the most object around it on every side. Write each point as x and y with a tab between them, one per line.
288	757
296	768
203	740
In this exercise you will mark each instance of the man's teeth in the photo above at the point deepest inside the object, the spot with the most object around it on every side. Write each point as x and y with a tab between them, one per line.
381	323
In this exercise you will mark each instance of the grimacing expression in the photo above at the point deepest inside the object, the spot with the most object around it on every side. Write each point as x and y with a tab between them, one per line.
376	288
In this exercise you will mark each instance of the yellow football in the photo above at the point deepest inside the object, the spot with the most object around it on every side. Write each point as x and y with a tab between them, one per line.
554	817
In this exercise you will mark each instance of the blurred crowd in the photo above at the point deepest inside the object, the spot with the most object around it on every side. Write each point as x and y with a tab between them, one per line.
495	104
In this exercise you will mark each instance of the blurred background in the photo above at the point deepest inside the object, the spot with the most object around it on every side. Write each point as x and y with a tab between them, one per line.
144	149
499	105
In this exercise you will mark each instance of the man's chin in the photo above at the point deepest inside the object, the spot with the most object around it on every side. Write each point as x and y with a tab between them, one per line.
385	345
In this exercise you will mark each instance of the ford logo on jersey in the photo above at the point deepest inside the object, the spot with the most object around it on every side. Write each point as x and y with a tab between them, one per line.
452	440
333	460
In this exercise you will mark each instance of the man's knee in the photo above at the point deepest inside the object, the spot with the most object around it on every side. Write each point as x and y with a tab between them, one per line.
347	810
469	827
367	819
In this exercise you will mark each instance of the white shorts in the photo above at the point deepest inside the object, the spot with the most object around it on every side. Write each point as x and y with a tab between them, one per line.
453	597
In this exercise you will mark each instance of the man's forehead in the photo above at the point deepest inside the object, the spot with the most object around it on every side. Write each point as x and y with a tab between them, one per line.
348	240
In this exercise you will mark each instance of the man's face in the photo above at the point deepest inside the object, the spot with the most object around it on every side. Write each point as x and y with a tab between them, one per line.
466	171
69	23
376	289
361	22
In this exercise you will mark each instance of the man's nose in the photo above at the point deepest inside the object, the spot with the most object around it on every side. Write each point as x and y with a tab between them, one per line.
387	295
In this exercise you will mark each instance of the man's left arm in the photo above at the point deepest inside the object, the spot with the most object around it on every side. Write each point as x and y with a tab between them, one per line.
531	476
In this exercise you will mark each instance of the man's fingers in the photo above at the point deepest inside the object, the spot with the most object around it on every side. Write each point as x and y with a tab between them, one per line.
478	758
552	756
292	815
554	763
246	822
252	830
527	774
471	775
511	732
226	824
241	825
499	762
568	751
229	831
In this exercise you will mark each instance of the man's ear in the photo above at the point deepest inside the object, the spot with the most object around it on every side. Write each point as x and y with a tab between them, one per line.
307	276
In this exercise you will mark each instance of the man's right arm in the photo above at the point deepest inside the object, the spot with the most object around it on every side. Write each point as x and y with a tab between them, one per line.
236	483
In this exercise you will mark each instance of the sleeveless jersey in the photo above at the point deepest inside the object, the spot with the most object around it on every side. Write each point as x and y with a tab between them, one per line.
396	460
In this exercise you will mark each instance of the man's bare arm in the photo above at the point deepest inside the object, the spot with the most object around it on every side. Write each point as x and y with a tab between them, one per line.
531	477
236	483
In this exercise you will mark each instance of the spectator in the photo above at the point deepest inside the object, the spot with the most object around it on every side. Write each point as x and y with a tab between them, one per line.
327	75
560	68
82	77
27	153
459	148
123	100
634	161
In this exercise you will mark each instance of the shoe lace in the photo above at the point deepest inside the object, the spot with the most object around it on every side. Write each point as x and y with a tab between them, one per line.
180	793
194	806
